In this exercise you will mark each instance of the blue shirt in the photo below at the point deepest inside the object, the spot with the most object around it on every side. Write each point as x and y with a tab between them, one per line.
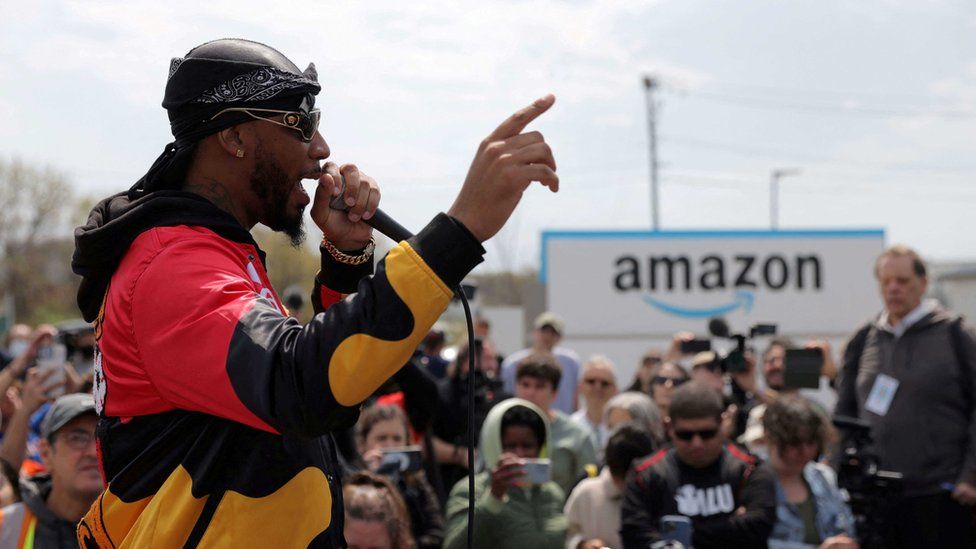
833	515
565	393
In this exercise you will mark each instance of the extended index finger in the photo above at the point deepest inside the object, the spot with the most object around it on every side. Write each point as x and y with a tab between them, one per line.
518	121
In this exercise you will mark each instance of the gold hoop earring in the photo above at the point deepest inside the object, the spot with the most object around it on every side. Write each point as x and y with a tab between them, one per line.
240	153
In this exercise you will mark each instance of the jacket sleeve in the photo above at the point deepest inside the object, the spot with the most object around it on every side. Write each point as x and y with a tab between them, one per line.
419	394
430	530
751	529
574	528
847	382
487	510
209	342
843	522
967	352
640	511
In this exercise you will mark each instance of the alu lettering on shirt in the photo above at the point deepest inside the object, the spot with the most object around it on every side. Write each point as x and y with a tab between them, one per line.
704	502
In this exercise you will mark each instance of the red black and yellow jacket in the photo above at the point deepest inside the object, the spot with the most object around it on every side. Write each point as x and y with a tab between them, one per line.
215	406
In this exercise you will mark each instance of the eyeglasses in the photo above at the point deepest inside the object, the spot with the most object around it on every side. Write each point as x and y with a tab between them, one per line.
305	123
601	382
79	440
705	434
675	381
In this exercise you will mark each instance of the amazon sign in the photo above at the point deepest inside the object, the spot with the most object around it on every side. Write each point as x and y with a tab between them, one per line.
655	283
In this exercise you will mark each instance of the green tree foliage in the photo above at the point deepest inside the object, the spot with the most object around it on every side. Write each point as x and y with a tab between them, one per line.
289	266
35	242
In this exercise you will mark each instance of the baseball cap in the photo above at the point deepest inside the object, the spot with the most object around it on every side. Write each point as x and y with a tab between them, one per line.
551	320
707	359
64	410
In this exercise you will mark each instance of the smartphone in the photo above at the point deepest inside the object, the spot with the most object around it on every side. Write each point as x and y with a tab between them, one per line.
537	470
763	329
402	459
51	358
696	346
801	369
676	528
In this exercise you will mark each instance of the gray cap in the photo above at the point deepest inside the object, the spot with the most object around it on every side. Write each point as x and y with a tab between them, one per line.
64	410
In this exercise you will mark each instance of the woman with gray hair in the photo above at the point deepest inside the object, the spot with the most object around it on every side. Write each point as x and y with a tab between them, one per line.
636	407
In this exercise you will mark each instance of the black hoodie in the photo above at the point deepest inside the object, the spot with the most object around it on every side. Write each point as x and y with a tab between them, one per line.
115	222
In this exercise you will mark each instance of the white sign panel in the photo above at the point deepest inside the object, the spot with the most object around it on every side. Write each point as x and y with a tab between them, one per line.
655	283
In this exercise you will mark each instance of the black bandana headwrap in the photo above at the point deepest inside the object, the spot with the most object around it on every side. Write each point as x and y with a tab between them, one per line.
212	77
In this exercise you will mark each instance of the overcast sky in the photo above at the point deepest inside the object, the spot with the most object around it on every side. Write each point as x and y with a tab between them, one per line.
874	101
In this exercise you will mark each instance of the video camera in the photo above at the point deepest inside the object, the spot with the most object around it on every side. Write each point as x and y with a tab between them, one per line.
870	489
735	360
77	335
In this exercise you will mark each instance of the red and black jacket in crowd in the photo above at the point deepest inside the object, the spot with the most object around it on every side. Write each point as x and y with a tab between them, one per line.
215	405
731	503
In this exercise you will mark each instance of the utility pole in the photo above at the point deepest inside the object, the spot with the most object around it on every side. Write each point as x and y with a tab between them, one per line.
650	84
774	178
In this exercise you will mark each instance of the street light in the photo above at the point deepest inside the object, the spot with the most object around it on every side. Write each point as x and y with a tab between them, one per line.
650	84
774	193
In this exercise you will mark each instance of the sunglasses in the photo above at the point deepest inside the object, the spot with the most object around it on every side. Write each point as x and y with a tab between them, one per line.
305	123
675	381
705	434
601	382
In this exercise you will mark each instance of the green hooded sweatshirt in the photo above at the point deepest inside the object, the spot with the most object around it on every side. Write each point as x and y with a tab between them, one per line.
529	516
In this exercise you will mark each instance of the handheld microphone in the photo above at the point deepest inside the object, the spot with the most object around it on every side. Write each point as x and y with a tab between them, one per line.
380	221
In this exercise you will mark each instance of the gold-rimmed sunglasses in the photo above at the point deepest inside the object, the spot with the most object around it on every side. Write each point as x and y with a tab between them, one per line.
304	123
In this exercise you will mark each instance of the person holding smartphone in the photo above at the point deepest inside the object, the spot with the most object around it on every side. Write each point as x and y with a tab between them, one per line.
382	428
728	495
512	509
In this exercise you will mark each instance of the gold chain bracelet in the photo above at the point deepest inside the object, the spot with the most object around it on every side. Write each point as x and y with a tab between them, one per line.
350	259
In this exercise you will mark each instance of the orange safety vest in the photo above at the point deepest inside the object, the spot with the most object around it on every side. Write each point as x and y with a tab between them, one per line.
19	522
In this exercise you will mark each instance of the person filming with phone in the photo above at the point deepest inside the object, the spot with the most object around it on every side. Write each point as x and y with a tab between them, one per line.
701	492
381	438
516	505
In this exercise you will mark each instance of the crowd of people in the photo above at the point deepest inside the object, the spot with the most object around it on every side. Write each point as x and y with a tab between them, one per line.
687	453
194	410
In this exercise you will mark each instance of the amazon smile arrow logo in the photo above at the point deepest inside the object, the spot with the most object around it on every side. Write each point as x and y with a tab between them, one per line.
743	300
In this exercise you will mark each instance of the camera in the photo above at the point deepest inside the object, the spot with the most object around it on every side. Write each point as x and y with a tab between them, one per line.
870	489
735	360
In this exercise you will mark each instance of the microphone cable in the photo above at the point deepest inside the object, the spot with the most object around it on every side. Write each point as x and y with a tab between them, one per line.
396	232
471	388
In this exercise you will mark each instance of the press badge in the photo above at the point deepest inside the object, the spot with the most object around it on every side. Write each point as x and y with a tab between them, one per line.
879	400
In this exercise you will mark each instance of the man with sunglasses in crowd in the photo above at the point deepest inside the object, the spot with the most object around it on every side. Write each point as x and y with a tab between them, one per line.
215	405
728	495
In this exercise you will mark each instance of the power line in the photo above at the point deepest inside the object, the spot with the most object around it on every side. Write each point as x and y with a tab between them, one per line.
830	108
779	89
781	154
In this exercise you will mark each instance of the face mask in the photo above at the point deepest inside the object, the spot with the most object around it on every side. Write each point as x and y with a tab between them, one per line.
762	452
17	347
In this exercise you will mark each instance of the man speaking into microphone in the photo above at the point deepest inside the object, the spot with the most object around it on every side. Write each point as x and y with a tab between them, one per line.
215	407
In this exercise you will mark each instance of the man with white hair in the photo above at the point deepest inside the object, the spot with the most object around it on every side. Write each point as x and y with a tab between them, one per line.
597	385
910	374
